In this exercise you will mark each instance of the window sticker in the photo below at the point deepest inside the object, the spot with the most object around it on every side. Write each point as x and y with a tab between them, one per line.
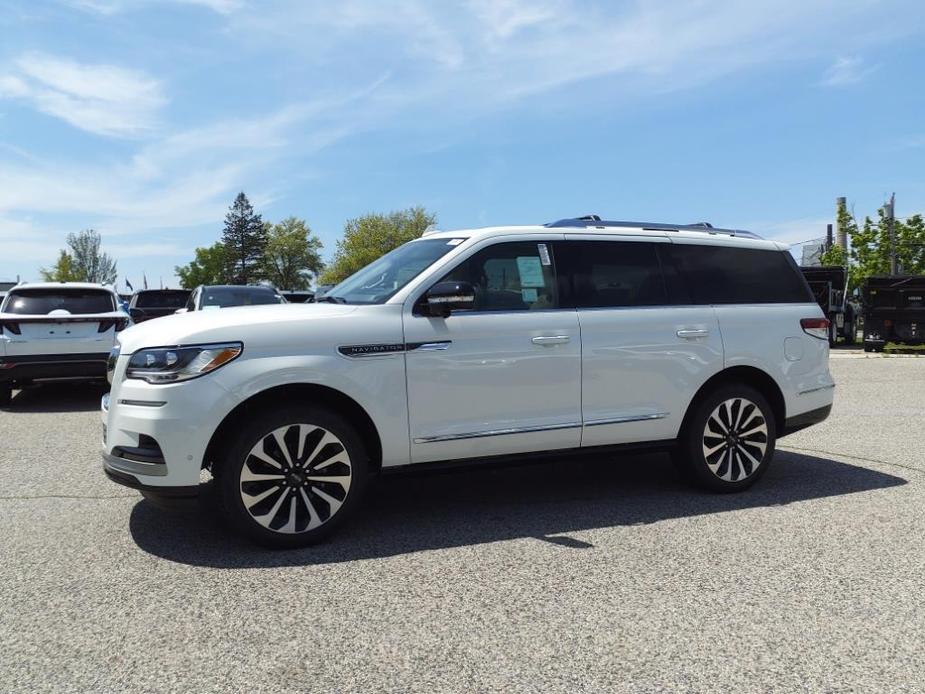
544	254
531	272
528	295
454	242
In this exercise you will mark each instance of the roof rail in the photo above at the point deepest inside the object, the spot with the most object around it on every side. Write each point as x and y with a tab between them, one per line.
594	221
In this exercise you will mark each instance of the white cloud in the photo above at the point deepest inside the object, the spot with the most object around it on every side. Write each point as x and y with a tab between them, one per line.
846	71
98	98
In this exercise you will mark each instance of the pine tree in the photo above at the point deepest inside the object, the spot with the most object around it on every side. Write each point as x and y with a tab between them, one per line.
245	240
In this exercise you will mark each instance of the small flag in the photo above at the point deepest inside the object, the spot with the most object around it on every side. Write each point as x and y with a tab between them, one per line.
129	285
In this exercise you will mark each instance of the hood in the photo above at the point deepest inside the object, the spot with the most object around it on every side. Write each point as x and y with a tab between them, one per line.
236	324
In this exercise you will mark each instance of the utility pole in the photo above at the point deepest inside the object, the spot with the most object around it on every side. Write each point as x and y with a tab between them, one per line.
891	221
828	237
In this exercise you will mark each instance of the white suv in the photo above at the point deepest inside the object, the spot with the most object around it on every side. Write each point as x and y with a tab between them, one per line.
56	330
581	335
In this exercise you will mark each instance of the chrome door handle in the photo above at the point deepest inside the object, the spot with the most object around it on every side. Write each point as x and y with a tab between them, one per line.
689	334
551	340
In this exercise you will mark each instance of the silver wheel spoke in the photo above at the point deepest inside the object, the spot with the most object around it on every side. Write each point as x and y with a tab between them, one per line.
735	451
290	497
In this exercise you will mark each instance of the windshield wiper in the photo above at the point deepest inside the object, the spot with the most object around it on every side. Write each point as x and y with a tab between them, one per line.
331	299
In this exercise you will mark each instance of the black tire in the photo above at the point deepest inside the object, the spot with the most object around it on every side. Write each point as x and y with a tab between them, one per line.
751	455
6	394
833	334
317	507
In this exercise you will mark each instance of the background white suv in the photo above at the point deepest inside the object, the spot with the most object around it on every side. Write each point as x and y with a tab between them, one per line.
55	330
577	336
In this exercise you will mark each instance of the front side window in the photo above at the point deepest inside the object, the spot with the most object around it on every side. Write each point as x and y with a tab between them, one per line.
380	280
610	274
43	301
510	277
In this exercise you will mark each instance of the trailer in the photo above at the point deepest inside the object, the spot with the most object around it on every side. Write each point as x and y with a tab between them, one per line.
829	284
894	311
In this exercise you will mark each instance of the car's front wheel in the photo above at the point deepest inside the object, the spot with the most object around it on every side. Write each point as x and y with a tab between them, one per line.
291	477
728	442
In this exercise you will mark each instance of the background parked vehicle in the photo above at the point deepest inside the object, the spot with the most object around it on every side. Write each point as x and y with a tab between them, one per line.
154	303
299	297
894	311
55	330
206	297
829	284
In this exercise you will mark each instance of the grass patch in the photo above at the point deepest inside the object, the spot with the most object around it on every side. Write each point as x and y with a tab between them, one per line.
896	348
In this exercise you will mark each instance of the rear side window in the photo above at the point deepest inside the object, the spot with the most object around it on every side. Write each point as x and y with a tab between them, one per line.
43	301
724	275
610	274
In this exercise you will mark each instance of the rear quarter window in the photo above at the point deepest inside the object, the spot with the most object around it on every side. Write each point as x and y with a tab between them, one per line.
728	275
44	301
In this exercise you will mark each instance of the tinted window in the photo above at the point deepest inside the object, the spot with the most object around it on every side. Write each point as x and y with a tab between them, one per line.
43	301
724	275
509	277
598	274
171	299
225	297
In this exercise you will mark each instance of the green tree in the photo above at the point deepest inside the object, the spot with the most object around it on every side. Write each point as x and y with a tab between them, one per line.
292	257
85	262
245	239
62	271
209	267
836	255
368	237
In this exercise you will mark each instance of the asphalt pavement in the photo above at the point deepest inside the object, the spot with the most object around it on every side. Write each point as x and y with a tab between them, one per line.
604	575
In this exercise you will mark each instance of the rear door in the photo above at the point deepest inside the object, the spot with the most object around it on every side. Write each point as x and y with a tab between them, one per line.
44	321
645	349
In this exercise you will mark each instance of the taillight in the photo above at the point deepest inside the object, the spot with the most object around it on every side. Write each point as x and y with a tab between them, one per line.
119	323
12	327
816	327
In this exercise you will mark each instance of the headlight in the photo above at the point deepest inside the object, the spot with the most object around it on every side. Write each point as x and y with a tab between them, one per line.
172	364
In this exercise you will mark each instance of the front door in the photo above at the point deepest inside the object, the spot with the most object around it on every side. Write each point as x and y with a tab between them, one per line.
504	377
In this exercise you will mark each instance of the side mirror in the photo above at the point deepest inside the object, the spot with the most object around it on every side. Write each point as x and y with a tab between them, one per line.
181	310
137	314
446	297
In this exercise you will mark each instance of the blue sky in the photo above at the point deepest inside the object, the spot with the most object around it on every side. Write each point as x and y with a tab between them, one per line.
144	118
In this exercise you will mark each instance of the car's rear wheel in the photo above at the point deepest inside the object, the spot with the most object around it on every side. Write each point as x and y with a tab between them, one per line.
6	394
291	477
728	442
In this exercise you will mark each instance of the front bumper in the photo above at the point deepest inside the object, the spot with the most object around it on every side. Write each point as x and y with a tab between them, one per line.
51	366
155	436
115	470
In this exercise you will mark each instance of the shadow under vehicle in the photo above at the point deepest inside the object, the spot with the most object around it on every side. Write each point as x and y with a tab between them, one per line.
894	311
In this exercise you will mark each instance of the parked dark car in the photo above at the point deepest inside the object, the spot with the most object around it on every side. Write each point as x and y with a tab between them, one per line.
205	297
894	311
154	303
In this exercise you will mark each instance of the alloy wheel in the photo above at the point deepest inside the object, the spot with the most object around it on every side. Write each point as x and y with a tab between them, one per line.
295	478
735	439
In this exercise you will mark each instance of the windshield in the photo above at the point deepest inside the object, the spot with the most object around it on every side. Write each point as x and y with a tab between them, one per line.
380	280
165	299
44	301
224	297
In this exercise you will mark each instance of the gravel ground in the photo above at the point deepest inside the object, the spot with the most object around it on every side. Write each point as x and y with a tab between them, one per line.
570	576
